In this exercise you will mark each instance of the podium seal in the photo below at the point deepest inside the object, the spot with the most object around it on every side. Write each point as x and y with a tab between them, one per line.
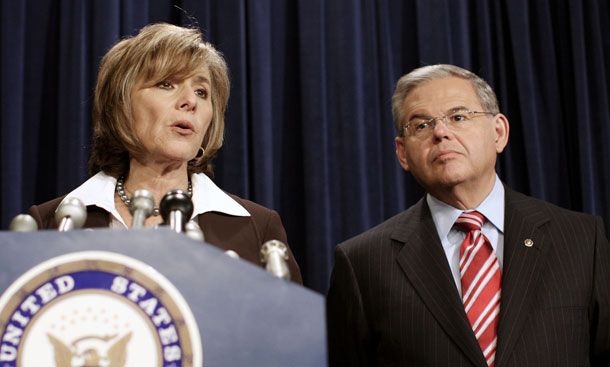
96	308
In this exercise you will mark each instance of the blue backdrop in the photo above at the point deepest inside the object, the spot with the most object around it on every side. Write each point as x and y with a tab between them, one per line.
309	129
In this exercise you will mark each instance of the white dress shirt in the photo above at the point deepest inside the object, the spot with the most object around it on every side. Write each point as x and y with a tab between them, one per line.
207	197
445	215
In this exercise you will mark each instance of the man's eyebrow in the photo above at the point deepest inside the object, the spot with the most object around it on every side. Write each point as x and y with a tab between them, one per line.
457	109
421	116
424	116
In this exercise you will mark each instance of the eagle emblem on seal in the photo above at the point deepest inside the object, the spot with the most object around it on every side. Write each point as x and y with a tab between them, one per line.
91	351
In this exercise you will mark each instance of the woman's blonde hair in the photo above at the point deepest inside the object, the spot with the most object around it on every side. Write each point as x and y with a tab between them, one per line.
159	52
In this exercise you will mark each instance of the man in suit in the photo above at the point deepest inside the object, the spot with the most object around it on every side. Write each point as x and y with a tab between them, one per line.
474	274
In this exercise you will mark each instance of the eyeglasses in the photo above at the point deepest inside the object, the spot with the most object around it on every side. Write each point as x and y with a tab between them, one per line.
455	121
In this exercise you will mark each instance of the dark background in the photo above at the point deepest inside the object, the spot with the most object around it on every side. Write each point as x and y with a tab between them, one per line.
309	129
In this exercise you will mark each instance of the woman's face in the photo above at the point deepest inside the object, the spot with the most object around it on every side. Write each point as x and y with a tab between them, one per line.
171	117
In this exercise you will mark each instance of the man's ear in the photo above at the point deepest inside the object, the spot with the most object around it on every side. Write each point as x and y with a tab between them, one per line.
401	152
501	129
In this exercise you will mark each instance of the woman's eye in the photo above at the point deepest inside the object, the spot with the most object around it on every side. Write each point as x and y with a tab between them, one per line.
202	93
164	84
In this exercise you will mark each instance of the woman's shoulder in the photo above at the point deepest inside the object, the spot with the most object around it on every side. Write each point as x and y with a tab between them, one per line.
50	205
253	208
267	221
44	213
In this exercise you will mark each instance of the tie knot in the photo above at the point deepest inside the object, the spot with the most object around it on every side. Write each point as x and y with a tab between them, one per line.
470	221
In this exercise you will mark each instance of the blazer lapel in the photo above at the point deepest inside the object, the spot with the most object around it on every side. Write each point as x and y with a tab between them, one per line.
97	217
425	264
525	248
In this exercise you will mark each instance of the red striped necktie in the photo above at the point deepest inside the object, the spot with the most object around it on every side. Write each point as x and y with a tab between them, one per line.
480	273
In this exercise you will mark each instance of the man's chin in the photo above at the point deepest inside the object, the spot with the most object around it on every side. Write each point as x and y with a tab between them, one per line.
449	177
440	183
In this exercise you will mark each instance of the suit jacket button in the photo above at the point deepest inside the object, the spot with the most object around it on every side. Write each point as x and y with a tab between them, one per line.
528	243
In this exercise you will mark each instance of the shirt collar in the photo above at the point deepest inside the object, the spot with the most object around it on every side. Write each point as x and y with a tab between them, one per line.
207	197
445	215
98	191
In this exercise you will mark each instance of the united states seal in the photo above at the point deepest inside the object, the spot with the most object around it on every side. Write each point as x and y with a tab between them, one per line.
96	308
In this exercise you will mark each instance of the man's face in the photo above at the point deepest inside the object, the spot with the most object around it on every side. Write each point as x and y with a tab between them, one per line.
443	158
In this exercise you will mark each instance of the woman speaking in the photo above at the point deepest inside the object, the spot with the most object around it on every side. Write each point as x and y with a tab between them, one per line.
158	120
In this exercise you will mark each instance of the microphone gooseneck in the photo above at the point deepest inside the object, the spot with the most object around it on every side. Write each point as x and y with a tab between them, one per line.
141	207
176	209
71	214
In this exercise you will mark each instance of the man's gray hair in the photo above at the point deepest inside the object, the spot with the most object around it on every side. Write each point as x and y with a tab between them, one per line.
408	82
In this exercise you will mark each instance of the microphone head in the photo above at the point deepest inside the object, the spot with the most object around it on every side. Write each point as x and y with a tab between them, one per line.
273	246
192	229
176	200
23	223
274	254
232	254
142	200
73	208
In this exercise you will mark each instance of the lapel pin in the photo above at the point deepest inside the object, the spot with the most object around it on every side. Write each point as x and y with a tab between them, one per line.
528	243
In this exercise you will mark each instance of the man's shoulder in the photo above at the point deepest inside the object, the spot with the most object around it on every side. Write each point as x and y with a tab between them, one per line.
527	204
382	233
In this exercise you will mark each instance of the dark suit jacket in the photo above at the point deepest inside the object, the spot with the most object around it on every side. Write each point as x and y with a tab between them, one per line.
393	302
244	235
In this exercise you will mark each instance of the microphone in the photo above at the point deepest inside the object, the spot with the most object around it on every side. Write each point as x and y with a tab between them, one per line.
23	223
232	254
192	229
71	214
141	207
274	253
176	208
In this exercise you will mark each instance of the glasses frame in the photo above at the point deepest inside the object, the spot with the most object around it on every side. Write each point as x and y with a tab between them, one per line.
432	121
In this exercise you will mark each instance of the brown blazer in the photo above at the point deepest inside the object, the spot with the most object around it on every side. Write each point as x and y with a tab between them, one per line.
393	301
244	235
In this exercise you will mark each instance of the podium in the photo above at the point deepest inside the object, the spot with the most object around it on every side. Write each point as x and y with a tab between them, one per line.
245	316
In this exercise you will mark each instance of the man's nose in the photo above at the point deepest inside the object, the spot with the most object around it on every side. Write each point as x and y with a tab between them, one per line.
440	126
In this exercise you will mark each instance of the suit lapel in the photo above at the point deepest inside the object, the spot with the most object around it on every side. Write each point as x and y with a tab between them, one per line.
424	262
521	269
